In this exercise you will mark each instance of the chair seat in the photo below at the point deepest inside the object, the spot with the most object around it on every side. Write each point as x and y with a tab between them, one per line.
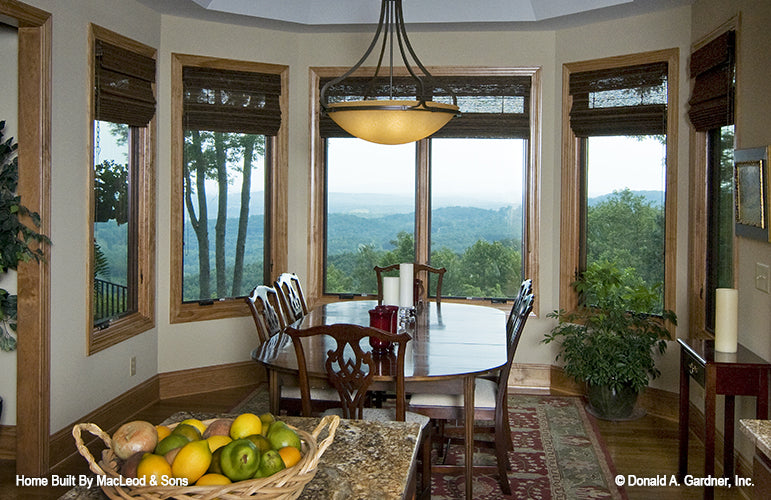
293	392
484	397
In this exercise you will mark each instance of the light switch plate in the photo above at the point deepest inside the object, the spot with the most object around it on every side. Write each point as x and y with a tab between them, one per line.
762	277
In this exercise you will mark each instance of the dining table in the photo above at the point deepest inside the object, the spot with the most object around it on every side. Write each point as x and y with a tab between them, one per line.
451	345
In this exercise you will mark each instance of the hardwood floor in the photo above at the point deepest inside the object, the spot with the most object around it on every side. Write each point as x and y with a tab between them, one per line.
645	447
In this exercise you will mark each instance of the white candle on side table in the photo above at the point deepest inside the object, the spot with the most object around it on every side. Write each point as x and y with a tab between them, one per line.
726	319
390	291
406	285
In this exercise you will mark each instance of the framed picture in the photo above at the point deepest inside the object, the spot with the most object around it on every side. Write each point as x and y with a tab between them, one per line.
751	192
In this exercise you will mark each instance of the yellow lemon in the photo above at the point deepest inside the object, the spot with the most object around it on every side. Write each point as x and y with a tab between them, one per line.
153	468
212	479
163	431
192	461
195	423
244	425
217	441
290	455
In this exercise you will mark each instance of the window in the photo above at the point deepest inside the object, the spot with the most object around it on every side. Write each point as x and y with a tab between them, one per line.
228	147
711	113
121	276
462	199
618	204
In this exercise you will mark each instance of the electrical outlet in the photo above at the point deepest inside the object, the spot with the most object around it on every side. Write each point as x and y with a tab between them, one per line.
762	277
133	366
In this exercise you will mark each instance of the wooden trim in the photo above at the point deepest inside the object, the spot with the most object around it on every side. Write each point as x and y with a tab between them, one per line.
316	236
572	178
180	312
108	417
210	378
7	442
34	280
144	318
530	377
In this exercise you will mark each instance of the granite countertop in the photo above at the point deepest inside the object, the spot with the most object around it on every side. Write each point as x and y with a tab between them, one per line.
759	432
366	460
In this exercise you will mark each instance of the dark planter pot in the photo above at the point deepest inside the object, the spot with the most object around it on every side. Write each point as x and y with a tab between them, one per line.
612	404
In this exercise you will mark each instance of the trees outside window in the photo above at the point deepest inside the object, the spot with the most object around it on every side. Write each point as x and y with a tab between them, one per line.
619	152
461	199
228	154
122	199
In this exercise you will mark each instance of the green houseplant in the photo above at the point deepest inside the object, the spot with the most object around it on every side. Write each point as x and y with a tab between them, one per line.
610	340
18	242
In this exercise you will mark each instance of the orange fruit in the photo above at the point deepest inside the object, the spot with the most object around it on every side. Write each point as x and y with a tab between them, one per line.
163	431
290	455
153	466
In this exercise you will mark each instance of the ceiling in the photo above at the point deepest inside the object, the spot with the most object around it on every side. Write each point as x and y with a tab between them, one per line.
321	15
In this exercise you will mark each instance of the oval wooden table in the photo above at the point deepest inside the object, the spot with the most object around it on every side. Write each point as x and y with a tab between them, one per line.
451	345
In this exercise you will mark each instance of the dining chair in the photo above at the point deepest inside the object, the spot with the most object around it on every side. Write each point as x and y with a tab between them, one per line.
525	289
419	271
292	297
263	302
489	400
351	367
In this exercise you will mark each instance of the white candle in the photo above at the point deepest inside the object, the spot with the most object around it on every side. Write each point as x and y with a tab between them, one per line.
726	319
406	285
390	291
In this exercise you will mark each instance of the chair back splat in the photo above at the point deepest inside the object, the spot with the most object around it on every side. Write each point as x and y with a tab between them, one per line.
351	366
525	289
264	305
292	298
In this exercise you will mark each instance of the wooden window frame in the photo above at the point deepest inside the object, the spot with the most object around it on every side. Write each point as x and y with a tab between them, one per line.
276	189
698	199
143	318
316	237
571	245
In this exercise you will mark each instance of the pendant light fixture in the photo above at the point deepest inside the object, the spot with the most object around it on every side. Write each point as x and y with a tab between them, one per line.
391	121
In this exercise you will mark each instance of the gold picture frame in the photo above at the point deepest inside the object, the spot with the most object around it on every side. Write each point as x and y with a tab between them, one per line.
751	192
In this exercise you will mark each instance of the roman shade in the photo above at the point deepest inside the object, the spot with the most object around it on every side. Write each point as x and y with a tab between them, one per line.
221	100
712	71
490	106
124	85
629	100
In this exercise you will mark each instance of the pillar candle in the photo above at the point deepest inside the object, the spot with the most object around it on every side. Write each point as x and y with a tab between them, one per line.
406	285
726	319
390	291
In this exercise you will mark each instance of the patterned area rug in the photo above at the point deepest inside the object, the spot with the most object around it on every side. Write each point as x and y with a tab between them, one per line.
558	454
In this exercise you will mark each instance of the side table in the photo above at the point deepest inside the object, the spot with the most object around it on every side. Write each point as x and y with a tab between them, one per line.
731	374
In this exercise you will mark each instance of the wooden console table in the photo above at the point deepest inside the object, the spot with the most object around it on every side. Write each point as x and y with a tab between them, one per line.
731	374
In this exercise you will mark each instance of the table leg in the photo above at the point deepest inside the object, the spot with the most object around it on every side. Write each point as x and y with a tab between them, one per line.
684	416
728	437
761	402
468	400
274	391
709	429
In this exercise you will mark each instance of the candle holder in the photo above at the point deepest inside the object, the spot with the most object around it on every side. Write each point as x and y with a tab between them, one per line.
406	318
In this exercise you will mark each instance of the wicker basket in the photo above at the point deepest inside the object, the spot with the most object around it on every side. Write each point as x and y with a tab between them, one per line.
285	484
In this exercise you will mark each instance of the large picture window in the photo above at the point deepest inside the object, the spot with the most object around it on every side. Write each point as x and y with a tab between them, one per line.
460	199
228	124
122	237
618	202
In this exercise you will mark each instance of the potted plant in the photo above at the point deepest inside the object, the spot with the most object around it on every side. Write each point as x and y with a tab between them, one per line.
610	340
18	242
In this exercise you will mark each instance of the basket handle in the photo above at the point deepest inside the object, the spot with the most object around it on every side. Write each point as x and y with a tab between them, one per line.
83	450
333	421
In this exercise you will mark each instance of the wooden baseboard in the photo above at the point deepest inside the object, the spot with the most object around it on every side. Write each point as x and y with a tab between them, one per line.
210	378
7	442
108	417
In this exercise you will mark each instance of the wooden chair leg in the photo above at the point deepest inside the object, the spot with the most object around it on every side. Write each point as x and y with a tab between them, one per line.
425	480
502	457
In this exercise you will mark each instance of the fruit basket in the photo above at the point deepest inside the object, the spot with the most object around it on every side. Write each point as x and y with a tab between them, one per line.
285	484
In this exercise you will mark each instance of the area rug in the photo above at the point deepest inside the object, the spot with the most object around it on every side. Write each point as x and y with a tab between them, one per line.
558	454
